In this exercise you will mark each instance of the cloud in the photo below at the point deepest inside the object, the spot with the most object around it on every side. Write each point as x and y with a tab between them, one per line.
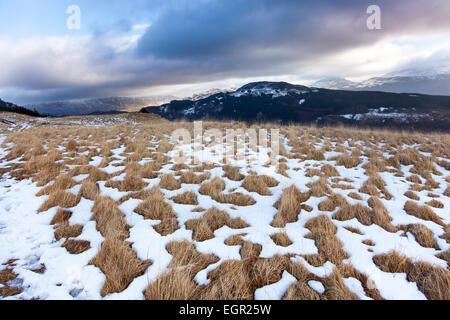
189	42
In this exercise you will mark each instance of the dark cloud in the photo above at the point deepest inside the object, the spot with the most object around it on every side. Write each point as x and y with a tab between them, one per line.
206	40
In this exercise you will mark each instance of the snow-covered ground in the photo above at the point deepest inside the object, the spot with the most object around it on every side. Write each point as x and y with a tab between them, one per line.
27	236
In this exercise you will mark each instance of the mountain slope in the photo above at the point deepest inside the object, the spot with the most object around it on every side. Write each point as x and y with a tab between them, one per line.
10	107
109	105
284	102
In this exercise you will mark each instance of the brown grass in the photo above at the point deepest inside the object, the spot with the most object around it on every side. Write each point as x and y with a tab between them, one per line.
289	206
61	199
155	208
412	195
259	184
203	228
76	246
119	263
435	204
281	239
323	232
422	212
169	182
423	235
188	197
433	281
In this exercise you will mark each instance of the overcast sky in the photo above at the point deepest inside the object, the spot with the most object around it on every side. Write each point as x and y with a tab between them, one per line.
178	47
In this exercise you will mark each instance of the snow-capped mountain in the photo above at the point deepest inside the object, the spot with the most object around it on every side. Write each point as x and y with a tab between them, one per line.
98	105
429	81
284	102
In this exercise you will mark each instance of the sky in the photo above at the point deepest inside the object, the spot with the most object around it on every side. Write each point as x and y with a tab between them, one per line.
181	47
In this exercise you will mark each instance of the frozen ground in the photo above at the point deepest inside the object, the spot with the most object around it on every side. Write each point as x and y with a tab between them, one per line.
44	269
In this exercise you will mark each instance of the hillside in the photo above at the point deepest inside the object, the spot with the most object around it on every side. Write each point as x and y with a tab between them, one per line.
10	107
287	103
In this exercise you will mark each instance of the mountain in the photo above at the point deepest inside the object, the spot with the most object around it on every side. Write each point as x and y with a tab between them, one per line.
109	105
286	103
406	81
10	107
208	93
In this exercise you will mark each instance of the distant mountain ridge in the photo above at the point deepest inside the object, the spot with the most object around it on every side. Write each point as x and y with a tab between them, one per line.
432	82
109	105
285	103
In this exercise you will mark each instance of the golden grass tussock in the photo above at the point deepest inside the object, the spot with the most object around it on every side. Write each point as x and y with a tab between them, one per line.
156	208
131	182
76	246
61	199
281	239
110	221
289	206
332	202
435	204
185	255
169	182
215	189
348	161
323	232
204	227
434	282
190	177
412	195
422	234
188	198
259	184
120	264
89	190
422	212
233	173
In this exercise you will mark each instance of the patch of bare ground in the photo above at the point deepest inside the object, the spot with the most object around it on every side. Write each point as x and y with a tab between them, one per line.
422	212
155	208
289	206
204	227
434	282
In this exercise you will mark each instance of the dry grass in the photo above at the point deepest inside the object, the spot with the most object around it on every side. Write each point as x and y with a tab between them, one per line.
281	239
423	235
61	199
259	184
155	208
289	206
434	282
76	246
119	263
203	228
169	182
323	232
422	212
188	197
215	189
412	195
